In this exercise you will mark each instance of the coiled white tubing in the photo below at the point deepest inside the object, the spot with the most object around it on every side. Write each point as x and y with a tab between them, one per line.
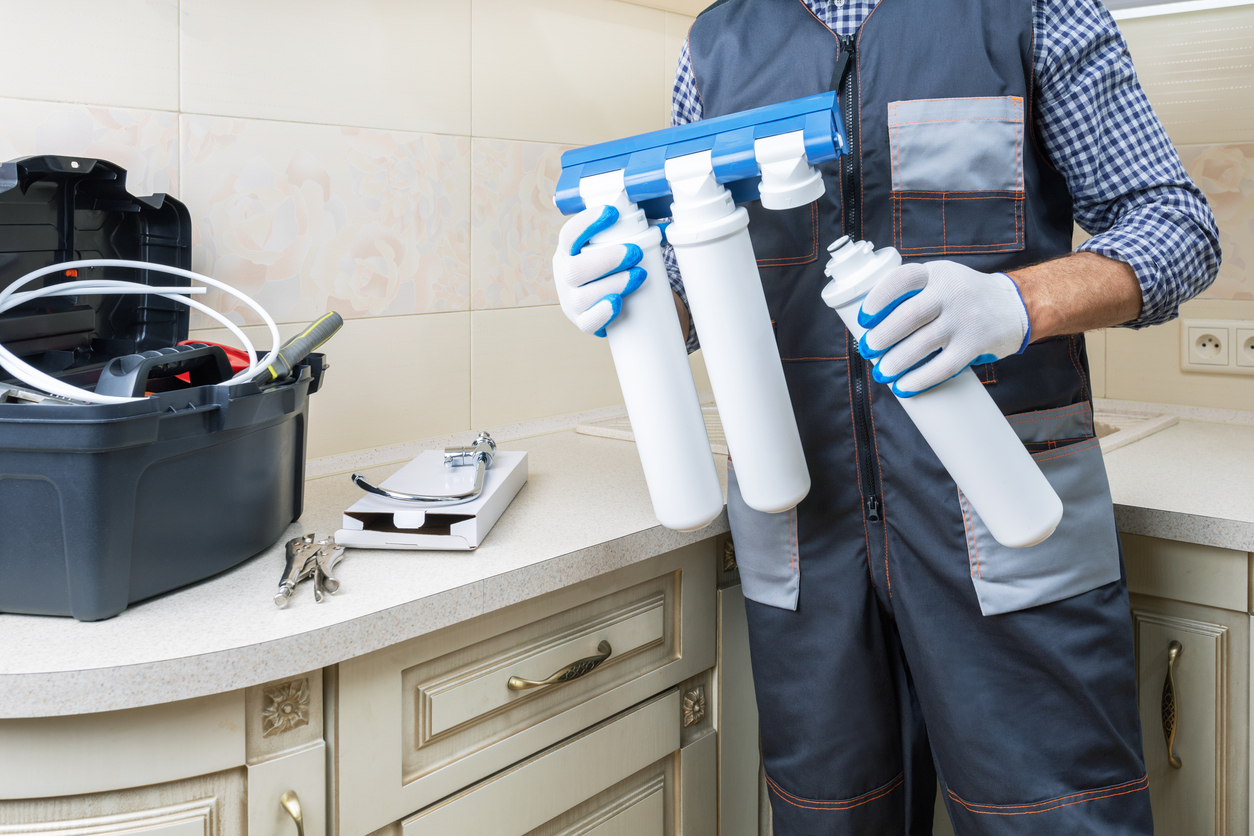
23	371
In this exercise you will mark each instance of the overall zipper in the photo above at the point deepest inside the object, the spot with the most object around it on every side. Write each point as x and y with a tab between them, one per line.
847	96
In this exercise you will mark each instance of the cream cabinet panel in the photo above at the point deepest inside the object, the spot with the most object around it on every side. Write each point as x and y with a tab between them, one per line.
211	805
302	772
57	756
421	721
1203	696
521	799
739	760
1204	575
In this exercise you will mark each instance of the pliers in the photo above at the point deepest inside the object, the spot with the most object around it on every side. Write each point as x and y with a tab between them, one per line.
307	557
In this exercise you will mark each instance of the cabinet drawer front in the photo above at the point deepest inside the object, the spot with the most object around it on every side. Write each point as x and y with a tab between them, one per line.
470	692
517	802
423	720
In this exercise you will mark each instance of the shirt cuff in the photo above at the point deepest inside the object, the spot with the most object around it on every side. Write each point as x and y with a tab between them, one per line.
1158	305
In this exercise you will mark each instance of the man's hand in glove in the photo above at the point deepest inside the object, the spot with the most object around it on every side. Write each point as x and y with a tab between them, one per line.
592	285
928	322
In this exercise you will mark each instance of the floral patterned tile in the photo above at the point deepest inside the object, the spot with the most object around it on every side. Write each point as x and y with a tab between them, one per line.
144	142
1226	174
311	218
514	222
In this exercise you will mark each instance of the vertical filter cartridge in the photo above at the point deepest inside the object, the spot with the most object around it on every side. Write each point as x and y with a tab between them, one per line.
958	419
696	174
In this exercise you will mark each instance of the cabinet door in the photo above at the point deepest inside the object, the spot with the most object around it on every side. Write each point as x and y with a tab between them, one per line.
1199	692
210	805
739	760
626	776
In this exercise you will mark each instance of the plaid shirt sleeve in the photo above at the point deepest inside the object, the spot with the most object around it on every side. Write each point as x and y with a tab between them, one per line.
685	108
1128	187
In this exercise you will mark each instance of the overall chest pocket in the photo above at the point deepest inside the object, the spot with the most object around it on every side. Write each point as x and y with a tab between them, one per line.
957	168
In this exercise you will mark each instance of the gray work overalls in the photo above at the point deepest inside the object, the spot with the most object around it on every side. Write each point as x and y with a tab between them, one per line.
889	632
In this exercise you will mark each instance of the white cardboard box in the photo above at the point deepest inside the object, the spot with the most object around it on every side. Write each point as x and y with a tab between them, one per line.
375	522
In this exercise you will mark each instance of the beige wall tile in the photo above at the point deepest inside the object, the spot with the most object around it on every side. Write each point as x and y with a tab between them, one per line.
687	8
400	64
392	380
530	363
1095	342
676	33
311	218
514	223
122	53
1226	174
144	142
1145	365
570	71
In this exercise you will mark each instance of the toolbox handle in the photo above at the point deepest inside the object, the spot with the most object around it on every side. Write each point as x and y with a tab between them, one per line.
127	377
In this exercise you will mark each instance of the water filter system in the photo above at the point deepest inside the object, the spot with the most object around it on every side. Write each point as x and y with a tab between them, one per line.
696	174
958	419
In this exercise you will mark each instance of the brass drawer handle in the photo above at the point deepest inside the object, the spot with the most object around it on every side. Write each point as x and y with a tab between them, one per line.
1169	704
291	804
572	671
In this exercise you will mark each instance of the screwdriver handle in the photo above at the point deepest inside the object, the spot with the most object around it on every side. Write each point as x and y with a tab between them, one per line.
299	347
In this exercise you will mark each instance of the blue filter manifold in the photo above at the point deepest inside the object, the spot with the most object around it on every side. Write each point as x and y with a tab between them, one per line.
730	139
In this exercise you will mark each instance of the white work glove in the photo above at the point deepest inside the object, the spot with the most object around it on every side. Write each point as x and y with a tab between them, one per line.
928	322
591	286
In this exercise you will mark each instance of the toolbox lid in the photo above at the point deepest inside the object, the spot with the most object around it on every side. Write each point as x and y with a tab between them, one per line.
55	209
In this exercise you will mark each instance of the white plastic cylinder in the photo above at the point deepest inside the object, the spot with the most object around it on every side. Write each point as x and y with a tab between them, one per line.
711	239
958	419
655	376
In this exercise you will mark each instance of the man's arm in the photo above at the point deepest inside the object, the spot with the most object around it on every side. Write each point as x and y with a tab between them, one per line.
1155	243
1080	292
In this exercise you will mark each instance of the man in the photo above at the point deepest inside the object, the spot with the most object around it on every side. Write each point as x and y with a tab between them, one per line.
902	643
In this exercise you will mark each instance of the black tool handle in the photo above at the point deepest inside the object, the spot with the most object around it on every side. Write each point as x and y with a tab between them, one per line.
127	377
299	347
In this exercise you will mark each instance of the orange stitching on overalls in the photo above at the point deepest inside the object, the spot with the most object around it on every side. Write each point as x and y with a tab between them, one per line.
866	534
876	440
942	121
1023	809
944	229
836	806
809	258
1075	448
968	525
963	98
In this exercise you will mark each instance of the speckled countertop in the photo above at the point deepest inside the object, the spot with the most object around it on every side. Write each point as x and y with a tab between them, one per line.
584	512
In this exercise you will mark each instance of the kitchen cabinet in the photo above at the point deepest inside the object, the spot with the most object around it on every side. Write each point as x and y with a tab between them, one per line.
214	766
1190	613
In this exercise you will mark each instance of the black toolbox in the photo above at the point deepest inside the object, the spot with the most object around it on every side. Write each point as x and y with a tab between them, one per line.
105	505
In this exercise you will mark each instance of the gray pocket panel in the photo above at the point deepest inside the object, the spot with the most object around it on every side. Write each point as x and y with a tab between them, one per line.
1082	555
957	145
766	550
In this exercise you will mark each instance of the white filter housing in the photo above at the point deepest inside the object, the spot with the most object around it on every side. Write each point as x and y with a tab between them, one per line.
656	379
958	419
711	239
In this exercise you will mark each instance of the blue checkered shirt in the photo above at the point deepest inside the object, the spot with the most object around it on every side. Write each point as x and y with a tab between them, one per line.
1128	187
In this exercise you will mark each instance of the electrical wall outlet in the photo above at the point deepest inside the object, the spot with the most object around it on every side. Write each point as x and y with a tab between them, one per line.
1217	346
1243	348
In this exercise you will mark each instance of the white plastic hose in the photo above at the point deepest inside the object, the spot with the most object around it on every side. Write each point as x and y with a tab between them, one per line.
10	298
